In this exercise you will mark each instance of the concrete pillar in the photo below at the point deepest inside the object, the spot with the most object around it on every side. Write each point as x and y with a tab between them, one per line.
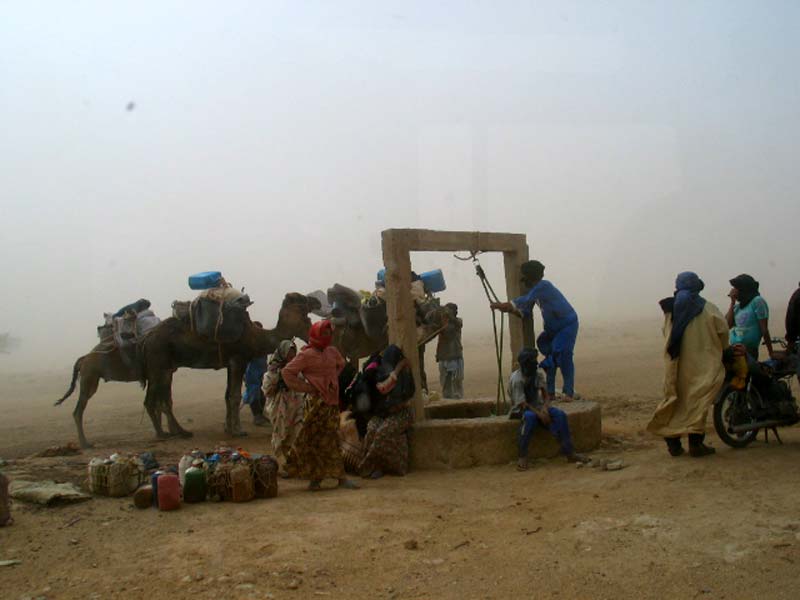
521	330
400	306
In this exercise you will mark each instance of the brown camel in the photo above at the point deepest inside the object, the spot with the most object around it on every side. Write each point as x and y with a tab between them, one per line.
352	340
104	362
172	344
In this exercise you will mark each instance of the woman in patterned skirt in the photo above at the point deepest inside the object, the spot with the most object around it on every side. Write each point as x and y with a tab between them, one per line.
316	455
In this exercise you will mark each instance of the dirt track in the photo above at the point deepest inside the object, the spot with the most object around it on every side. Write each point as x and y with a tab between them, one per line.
723	527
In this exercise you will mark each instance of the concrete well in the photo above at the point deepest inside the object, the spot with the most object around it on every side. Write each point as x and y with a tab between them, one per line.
455	443
468	408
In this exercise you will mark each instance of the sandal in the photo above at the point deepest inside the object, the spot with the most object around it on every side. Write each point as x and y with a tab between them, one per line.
522	464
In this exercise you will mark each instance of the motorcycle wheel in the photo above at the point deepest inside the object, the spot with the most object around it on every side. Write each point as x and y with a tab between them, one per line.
735	409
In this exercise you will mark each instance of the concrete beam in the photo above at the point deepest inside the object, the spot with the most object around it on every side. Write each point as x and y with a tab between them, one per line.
429	240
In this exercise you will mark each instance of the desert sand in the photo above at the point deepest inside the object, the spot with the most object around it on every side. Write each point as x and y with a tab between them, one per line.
727	526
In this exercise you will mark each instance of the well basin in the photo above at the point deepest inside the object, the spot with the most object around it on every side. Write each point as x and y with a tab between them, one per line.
470	437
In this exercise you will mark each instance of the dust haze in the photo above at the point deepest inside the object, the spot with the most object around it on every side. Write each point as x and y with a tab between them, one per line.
274	141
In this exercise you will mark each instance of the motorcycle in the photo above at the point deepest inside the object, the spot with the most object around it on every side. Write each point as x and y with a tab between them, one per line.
764	402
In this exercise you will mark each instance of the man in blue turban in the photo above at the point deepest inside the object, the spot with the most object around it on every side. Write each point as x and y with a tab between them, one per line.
696	335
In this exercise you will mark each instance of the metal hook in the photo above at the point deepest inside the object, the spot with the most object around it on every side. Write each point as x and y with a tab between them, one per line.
473	256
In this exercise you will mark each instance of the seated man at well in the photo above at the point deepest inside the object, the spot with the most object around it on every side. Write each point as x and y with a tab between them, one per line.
530	403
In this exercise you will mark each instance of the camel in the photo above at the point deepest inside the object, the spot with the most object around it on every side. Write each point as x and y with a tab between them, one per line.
104	362
173	344
351	338
354	343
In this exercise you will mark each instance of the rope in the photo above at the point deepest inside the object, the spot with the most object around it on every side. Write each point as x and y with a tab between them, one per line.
491	296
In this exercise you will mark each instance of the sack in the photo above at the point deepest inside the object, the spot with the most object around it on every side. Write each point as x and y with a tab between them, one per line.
220	321
114	479
145	321
127	329
265	477
106	330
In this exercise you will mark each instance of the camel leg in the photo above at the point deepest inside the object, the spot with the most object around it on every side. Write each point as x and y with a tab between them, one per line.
174	427
89	385
156	389
233	398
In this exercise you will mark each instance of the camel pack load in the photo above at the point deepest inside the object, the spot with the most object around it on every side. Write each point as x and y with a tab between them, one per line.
128	325
219	312
368	310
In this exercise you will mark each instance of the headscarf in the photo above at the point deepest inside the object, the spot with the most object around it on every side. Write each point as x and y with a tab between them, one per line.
747	288
688	304
391	356
281	354
528	364
320	335
532	270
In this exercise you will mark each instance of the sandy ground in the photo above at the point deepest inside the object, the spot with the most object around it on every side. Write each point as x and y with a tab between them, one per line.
727	526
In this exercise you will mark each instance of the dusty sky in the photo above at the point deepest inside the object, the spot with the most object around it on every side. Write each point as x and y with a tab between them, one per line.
275	140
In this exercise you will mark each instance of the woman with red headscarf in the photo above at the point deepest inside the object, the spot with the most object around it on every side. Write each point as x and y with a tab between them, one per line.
315	454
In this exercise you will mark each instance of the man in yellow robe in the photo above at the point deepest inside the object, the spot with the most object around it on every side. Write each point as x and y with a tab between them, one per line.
696	336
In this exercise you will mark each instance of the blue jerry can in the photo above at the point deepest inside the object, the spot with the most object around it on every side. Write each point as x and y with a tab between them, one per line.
434	281
205	280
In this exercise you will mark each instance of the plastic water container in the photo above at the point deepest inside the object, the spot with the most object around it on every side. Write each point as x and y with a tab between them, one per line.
205	280
434	281
169	492
143	497
183	465
154	485
194	489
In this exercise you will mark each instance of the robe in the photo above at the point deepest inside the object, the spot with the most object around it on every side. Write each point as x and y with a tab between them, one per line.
693	380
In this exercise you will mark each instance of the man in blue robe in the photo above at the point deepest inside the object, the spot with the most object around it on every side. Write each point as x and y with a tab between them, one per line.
560	324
